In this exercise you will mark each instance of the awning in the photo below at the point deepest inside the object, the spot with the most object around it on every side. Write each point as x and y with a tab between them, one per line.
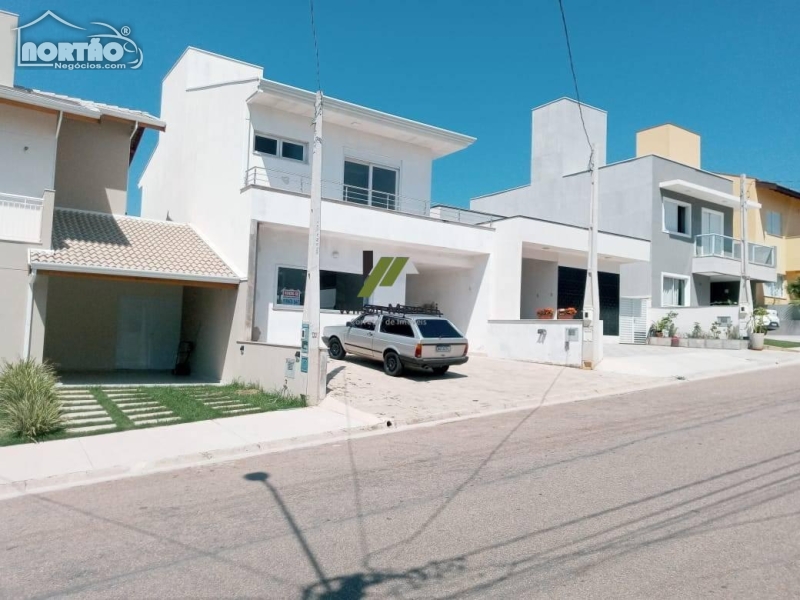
700	192
115	246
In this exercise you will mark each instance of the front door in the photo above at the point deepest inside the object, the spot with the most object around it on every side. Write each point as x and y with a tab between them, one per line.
148	331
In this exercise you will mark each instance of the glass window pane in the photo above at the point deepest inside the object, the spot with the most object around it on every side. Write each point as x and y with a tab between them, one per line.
437	328
291	286
339	291
397	326
682	228
292	150
266	145
356	182
670	216
384	187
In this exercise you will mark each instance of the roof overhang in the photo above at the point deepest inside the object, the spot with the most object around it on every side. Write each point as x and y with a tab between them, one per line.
700	192
295	100
101	272
770	185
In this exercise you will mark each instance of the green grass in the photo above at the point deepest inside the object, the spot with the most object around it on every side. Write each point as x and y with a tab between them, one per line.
184	402
781	343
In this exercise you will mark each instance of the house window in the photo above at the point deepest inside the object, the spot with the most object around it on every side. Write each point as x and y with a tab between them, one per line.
279	147
338	291
677	217
674	290
773	225
774	289
370	185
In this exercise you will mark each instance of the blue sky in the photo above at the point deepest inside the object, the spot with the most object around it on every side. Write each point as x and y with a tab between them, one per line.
726	69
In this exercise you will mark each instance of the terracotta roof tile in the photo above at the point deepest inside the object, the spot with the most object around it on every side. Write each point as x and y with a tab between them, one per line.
90	239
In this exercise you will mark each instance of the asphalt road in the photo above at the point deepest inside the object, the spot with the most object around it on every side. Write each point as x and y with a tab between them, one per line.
683	492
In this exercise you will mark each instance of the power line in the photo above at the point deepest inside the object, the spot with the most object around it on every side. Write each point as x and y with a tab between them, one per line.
575	81
316	46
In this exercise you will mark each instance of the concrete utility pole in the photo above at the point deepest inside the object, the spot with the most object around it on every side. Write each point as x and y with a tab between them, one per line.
592	335
745	290
309	345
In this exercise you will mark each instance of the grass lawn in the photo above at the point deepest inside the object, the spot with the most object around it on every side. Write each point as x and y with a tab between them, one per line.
170	406
781	343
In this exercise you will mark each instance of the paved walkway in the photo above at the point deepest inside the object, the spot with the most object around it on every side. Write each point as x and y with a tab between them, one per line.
49	465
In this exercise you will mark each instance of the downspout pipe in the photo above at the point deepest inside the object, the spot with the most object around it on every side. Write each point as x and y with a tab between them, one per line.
26	350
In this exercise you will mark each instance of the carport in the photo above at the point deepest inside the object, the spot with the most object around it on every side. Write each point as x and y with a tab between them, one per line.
122	293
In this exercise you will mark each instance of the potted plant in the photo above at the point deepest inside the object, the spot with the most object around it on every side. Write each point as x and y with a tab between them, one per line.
697	337
714	341
544	313
567	313
665	330
759	328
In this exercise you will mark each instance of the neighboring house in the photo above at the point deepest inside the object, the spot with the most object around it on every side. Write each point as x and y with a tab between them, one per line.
235	162
662	196
82	285
776	223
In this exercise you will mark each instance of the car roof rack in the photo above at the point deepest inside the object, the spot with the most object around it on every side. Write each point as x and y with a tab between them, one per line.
401	309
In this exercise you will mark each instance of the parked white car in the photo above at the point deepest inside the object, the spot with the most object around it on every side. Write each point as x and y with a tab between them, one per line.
399	336
773	319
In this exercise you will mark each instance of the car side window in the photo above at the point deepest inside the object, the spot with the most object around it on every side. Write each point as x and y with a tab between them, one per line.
367	323
397	326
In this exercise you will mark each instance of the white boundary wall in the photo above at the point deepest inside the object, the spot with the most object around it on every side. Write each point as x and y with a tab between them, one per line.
536	340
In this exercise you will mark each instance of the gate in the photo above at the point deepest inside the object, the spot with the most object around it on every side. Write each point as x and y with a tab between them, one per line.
633	320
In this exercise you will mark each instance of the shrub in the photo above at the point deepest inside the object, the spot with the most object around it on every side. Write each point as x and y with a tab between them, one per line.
29	404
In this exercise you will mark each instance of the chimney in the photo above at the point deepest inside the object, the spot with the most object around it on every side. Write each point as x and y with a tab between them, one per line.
8	47
670	141
559	144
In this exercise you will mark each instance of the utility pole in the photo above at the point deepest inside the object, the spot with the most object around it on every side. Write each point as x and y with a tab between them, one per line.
309	345
592	336
745	290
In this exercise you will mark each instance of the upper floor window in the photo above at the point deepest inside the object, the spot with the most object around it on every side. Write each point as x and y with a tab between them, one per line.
674	290
773	224
677	217
274	146
370	185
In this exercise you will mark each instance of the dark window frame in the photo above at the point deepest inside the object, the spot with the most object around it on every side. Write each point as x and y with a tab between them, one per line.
279	141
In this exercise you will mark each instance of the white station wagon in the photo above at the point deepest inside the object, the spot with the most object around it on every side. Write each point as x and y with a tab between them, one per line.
399	336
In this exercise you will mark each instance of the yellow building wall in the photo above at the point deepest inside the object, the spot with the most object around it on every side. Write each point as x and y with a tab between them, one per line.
787	244
670	141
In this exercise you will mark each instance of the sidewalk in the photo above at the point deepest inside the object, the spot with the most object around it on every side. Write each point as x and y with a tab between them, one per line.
50	465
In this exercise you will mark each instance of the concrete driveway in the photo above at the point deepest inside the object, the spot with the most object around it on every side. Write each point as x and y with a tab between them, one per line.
485	385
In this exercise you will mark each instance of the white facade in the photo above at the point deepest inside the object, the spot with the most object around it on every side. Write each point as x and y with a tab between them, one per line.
252	204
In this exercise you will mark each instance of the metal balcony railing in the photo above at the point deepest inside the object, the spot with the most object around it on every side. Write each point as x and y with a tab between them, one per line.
723	246
343	192
20	218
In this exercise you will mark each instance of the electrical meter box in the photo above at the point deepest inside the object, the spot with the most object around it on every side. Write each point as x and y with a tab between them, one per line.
572	334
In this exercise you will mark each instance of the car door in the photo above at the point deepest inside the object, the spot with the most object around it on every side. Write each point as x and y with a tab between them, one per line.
395	332
360	335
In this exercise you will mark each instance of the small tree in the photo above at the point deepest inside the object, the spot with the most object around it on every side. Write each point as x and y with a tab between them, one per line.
793	288
760	321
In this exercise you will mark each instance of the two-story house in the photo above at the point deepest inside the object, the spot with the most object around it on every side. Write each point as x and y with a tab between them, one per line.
82	285
662	195
776	223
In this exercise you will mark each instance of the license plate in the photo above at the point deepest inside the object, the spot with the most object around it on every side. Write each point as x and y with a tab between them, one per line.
443	348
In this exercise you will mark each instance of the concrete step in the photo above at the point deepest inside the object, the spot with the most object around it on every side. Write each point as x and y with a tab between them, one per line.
90	428
74	410
78	402
243	410
85	414
146	409
131	403
163	413
93	420
154	421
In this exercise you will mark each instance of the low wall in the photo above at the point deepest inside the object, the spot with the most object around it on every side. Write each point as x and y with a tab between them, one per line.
284	325
536	340
687	317
265	365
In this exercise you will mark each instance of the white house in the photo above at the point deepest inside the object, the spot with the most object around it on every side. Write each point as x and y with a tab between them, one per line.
235	162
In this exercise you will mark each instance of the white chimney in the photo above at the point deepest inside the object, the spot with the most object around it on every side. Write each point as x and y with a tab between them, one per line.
8	47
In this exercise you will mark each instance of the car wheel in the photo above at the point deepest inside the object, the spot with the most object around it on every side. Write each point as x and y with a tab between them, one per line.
335	349
440	370
392	365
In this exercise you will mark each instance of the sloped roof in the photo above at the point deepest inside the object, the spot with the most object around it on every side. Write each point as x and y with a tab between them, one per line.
100	243
78	106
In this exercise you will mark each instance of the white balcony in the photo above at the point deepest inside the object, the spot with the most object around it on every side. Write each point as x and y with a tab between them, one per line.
259	177
20	218
720	255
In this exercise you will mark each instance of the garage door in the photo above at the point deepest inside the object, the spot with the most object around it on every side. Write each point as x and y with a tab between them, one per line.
632	320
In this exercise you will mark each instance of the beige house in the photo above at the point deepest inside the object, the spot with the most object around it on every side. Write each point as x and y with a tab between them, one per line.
81	284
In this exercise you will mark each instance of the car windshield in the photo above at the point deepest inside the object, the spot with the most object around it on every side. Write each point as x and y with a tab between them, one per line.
437	328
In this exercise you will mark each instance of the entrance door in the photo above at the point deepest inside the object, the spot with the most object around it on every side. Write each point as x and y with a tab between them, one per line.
148	331
712	222
632	321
